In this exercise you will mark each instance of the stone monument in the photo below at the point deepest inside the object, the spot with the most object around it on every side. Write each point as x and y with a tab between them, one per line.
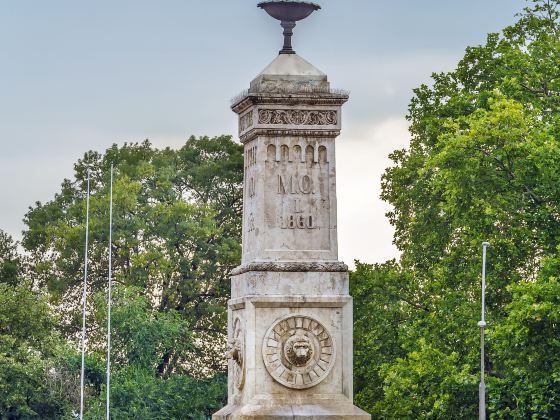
290	313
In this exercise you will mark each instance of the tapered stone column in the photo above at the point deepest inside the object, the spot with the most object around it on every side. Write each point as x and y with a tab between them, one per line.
290	313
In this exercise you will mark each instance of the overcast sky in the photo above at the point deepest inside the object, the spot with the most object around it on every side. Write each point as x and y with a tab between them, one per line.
78	76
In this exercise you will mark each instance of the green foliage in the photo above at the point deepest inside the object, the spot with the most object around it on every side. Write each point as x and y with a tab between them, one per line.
140	336
28	352
483	165
10	261
176	234
376	291
428	383
527	346
136	394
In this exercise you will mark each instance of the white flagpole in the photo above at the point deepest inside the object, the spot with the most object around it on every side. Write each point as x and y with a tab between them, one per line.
482	325
109	295
84	302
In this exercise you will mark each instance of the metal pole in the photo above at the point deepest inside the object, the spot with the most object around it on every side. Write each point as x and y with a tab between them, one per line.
84	302
482	325
109	296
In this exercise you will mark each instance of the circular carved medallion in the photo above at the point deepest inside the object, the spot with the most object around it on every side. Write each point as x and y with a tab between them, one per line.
298	351
236	352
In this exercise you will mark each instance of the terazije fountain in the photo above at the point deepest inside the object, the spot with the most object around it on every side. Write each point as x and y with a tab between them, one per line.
290	313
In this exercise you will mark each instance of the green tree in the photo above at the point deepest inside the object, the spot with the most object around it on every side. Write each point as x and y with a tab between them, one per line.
527	347
176	237
39	372
483	165
140	335
10	261
29	349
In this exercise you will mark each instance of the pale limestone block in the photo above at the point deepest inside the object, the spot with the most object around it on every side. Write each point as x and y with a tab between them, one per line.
270	283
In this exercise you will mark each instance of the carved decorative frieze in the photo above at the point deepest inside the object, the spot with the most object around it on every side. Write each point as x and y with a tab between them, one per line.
298	351
297	117
236	353
246	121
291	267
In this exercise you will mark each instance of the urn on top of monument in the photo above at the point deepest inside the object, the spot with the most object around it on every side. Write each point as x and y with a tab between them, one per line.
288	13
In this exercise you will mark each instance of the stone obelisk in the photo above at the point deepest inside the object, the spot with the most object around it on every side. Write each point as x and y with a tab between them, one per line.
290	313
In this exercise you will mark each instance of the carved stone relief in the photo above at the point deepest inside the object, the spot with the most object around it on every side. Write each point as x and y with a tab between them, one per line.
297	117
298	351
236	353
297	208
245	121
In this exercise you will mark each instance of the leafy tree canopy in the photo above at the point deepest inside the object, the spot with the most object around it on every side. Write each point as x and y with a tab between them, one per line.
483	165
140	336
29	348
10	261
176	235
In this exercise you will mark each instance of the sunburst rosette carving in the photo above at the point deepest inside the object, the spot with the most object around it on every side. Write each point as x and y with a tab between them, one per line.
298	351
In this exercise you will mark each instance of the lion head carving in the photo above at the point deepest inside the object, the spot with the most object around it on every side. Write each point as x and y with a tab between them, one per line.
298	349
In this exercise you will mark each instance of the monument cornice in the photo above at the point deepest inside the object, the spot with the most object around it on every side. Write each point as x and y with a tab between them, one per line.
291	267
311	99
294	132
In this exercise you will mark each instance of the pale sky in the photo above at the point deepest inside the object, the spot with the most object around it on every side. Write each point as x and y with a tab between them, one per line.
78	76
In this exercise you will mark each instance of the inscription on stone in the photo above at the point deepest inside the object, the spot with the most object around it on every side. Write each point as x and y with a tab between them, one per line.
251	187
297	191
250	211
300	218
251	227
295	185
250	162
250	156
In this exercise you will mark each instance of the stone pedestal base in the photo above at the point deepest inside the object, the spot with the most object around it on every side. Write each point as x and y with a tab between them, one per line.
292	412
273	314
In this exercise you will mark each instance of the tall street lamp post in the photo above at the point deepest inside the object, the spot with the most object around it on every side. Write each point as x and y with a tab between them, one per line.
482	325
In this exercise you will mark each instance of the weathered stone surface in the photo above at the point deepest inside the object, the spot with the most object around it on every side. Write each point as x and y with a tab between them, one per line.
322	410
272	283
292	267
290	200
290	313
289	73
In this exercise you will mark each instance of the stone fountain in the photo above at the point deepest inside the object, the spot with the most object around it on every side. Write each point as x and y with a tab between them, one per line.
290	313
